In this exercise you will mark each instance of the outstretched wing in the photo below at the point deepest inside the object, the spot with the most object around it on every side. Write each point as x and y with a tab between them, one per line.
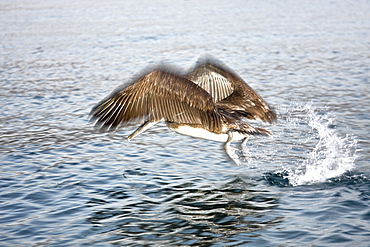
230	92
155	96
210	78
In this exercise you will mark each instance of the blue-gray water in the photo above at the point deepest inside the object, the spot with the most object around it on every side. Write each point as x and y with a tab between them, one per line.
65	184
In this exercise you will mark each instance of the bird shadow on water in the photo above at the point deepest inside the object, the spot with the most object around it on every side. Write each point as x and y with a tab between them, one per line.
179	211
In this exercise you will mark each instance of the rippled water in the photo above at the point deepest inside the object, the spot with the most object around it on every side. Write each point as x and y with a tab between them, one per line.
65	184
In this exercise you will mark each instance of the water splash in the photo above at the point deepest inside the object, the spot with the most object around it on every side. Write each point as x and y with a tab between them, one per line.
332	155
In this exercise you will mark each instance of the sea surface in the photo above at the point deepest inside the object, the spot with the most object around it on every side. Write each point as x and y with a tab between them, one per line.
64	183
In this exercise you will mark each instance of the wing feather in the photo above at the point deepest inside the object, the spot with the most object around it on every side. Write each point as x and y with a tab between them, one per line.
155	96
230	92
214	83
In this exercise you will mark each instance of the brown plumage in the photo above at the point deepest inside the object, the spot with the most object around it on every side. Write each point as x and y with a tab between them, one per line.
210	98
159	95
230	92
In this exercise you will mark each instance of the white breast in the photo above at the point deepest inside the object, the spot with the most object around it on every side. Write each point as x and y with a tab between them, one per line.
205	134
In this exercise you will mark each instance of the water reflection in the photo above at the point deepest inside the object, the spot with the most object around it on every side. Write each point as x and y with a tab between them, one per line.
161	213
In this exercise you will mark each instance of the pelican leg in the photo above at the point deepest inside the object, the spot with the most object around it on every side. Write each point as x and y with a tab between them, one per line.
245	151
231	152
245	141
141	129
243	145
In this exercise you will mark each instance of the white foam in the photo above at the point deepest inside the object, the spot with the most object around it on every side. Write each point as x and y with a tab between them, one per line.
331	157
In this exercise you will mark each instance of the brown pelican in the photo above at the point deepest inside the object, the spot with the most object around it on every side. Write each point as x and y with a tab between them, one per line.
210	102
